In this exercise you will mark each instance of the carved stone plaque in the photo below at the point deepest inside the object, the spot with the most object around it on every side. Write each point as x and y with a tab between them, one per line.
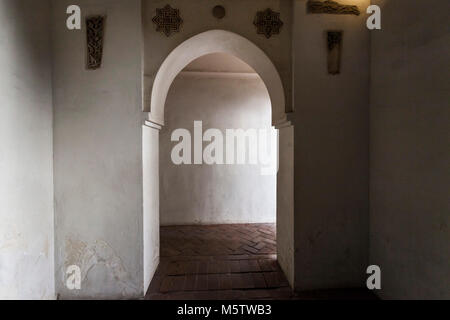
268	22
334	39
331	7
95	27
167	20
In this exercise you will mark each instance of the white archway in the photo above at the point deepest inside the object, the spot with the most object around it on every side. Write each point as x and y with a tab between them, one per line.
214	41
218	41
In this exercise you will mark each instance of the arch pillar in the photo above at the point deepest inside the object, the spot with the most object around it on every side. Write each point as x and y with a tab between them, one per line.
150	174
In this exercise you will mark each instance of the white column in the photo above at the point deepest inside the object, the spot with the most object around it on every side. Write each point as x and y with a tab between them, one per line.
285	201
150	172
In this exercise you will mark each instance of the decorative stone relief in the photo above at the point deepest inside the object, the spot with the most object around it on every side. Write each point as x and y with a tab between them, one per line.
331	7
334	39
167	20
268	22
94	30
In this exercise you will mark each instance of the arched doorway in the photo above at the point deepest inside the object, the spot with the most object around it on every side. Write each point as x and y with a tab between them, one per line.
211	42
218	41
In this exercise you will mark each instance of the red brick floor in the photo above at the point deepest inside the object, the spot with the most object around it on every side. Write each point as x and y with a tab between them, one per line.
224	262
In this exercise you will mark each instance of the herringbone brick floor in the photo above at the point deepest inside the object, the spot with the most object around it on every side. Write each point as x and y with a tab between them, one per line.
227	262
218	240
219	262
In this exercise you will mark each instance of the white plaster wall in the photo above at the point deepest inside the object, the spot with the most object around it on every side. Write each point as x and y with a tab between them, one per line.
98	153
331	151
204	194
409	189
150	153
26	178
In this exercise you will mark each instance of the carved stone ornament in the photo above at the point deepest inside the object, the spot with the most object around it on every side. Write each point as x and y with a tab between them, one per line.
334	39
167	20
95	27
268	22
331	7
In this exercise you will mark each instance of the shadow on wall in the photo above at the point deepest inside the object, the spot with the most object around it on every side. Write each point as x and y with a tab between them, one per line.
26	183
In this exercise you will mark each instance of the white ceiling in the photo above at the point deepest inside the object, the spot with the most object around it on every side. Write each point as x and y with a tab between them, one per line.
219	62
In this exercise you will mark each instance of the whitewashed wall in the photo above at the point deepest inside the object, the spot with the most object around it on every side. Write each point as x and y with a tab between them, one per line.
98	138
331	127
98	153
331	121
98	145
205	194
26	177
409	188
